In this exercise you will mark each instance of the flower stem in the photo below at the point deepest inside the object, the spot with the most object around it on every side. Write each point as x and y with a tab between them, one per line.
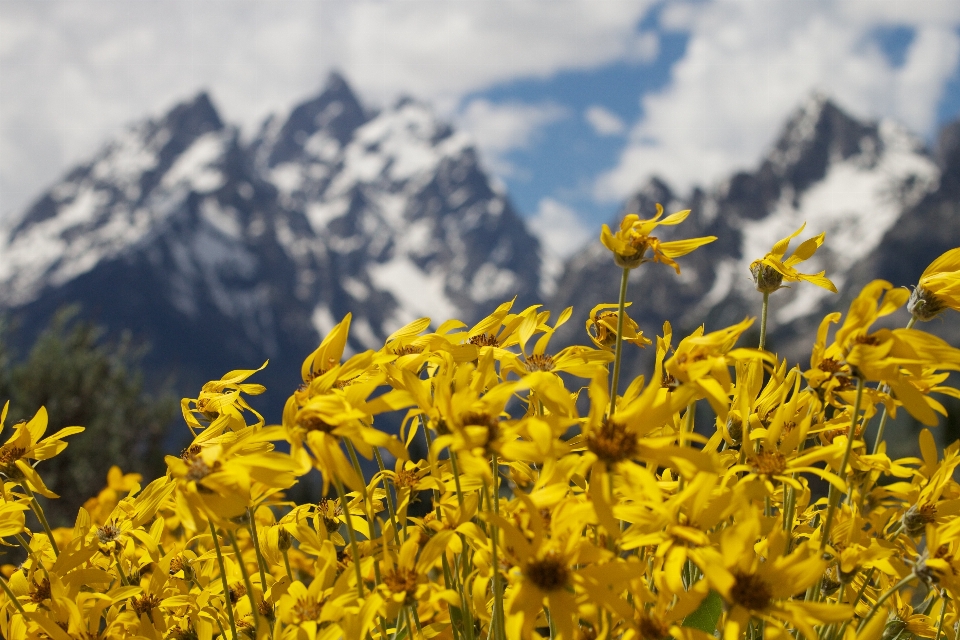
763	321
286	564
261	563
350	534
834	496
12	598
391	507
223	580
883	416
494	500
619	349
246	579
876	606
35	506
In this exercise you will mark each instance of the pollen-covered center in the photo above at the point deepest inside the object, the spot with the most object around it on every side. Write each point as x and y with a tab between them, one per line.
10	454
40	591
108	532
917	517
198	469
766	277
769	463
484	340
145	603
539	362
612	442
480	419
315	423
407	350
306	609
548	573
829	365
401	580
653	628
751	591
405	478
330	512
924	305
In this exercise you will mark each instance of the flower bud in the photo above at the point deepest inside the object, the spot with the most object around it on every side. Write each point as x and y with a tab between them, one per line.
766	277
924	305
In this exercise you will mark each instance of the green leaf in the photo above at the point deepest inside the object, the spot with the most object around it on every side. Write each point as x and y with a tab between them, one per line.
707	615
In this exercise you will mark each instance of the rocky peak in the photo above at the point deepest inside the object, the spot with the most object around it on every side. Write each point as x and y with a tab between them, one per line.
818	134
336	112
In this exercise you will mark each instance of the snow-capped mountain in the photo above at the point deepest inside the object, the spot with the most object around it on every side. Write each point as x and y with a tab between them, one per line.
410	224
863	184
223	254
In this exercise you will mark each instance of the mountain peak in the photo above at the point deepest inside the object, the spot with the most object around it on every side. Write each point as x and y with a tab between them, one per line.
335	112
819	132
195	117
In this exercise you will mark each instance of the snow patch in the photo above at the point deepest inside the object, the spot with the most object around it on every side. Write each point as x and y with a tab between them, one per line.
195	165
490	283
419	293
322	320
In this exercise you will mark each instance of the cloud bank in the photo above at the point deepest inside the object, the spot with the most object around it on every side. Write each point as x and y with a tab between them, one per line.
749	64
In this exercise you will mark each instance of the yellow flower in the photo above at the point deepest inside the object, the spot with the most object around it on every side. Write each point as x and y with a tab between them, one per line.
632	242
602	327
938	288
25	444
703	361
771	270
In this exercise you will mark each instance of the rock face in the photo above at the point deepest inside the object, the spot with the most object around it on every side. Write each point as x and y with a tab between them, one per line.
223	255
872	187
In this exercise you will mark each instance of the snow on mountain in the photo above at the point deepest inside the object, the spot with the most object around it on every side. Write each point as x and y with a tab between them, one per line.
856	181
223	254
408	221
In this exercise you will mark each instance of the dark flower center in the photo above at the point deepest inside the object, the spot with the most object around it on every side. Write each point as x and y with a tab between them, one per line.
612	442
548	573
750	591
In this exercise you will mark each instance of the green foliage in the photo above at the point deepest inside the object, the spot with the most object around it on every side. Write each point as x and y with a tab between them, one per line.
83	379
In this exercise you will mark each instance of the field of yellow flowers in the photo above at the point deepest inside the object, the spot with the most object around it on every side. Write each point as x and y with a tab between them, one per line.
564	504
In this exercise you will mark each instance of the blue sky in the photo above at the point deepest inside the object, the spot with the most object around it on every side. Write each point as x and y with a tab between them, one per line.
573	103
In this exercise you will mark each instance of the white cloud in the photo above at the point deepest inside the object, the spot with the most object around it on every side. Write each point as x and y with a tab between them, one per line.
559	228
750	64
500	128
75	71
603	121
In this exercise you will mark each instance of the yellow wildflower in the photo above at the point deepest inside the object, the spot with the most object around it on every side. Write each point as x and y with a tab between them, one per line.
602	327
632	241
771	270
938	288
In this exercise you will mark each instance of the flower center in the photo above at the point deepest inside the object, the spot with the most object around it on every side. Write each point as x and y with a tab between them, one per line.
479	419
917	517
306	609
751	591
769	463
549	573
315	423
484	340
539	362
401	580
40	591
108	532
330	511
653	628
612	442
145	603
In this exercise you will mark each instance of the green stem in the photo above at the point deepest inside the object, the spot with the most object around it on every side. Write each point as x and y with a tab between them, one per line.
834	498
876	606
254	610
123	577
619	349
350	534
943	610
261	563
223	580
763	321
286	564
494	500
35	506
12	598
391	506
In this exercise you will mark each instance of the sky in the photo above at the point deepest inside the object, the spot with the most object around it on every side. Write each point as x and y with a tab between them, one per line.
573	104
